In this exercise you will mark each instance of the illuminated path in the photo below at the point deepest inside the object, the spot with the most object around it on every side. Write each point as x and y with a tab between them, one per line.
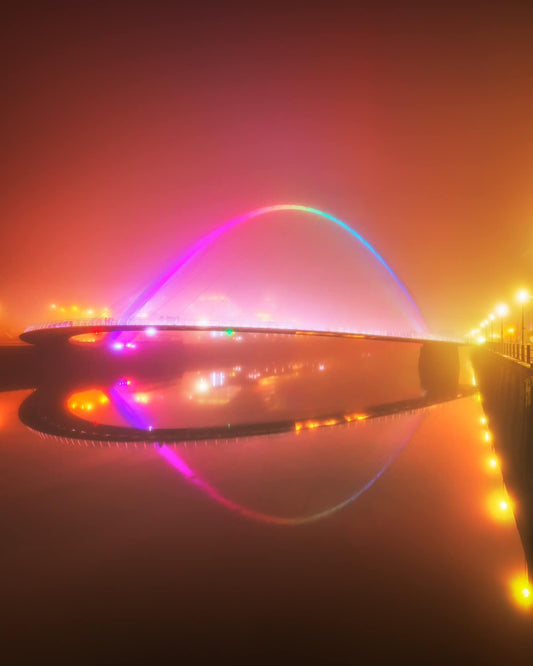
61	331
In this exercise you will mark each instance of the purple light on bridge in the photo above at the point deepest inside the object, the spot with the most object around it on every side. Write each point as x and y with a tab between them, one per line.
120	346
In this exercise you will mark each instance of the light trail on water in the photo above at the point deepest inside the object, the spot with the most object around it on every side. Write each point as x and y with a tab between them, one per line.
134	418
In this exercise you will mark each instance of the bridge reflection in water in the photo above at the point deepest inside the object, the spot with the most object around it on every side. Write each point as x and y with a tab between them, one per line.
130	410
382	482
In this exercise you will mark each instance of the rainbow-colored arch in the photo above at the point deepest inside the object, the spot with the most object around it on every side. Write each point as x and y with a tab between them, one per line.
153	287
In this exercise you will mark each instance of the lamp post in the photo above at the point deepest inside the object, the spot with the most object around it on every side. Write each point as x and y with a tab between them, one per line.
522	297
491	319
502	311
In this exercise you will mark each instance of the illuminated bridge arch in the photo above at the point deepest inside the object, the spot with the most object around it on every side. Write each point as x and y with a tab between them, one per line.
153	287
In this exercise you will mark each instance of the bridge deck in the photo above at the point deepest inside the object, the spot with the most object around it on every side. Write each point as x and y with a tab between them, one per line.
47	334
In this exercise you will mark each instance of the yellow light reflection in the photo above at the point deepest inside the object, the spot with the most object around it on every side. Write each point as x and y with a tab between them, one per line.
202	385
311	424
522	592
87	401
493	463
500	508
355	417
85	338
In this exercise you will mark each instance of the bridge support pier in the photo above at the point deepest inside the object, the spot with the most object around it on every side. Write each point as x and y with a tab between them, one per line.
438	369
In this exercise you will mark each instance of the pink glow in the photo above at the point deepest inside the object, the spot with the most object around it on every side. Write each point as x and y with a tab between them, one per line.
177	463
151	289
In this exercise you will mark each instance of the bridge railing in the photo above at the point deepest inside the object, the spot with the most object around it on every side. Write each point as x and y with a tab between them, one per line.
514	350
271	325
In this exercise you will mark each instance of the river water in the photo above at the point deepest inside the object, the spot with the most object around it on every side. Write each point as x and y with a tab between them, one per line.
200	496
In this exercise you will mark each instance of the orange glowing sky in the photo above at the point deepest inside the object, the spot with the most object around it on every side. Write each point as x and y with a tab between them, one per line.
129	132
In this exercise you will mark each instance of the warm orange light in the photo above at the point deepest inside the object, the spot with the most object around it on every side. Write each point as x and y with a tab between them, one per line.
355	417
522	296
522	592
310	425
502	310
202	385
493	463
500	507
483	420
487	436
87	401
84	338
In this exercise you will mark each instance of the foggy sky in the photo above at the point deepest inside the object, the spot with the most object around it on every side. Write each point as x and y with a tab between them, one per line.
130	131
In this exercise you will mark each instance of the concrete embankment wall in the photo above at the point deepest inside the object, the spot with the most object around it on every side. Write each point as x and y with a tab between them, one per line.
506	392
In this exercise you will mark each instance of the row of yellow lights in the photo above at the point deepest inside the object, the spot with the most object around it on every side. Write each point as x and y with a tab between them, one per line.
520	586
80	312
346	418
92	400
500	311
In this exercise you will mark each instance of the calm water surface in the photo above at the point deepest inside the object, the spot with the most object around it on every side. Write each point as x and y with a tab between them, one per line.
143	517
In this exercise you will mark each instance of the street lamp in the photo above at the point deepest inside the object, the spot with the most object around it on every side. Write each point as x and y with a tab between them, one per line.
502	311
522	297
491	319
